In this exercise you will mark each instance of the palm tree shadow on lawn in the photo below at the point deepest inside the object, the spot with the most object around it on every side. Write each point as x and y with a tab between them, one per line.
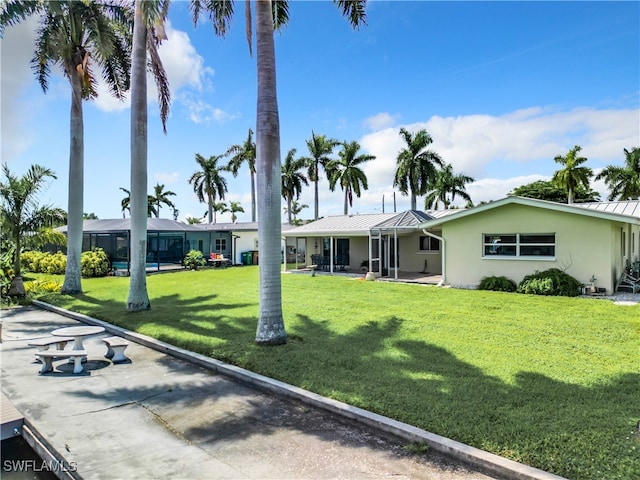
541	421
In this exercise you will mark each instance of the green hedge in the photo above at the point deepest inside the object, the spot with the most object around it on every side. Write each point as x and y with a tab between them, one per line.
550	282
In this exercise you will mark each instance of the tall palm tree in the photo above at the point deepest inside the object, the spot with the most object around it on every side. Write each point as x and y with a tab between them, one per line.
320	150
572	175
208	182
148	32
623	182
292	179
21	213
447	185
235	207
269	15
78	37
347	172
241	153
416	165
161	196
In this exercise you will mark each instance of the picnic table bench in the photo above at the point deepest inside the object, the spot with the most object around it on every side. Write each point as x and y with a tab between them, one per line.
115	349
47	357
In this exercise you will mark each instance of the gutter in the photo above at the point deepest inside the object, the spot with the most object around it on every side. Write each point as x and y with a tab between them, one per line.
444	254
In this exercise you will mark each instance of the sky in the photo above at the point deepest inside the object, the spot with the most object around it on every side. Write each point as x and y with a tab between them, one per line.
501	87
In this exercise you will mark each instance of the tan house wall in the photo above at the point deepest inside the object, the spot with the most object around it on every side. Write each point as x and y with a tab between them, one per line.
413	260
358	249
585	246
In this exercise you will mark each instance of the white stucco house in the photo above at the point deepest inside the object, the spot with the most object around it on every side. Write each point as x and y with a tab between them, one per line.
517	236
511	237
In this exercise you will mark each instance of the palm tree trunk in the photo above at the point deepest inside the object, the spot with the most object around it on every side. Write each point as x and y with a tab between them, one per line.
253	197
346	201
289	208
72	283
138	296
315	200
213	214
270	329
414	202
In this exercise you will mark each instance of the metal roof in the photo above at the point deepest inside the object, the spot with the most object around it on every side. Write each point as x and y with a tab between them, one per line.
341	225
164	225
626	207
628	213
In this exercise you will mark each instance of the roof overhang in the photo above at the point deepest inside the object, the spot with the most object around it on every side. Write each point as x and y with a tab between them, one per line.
534	203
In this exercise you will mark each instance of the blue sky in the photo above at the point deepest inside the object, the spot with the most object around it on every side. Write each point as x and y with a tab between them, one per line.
502	87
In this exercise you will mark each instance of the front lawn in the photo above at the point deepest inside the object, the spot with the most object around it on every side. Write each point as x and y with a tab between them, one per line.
550	382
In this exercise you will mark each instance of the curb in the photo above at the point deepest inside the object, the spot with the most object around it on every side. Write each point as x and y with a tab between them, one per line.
484	461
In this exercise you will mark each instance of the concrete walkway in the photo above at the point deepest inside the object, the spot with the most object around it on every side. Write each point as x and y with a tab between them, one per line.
160	416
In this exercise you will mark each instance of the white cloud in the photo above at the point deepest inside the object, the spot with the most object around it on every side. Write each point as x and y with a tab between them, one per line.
167	178
185	70
380	121
473	142
202	112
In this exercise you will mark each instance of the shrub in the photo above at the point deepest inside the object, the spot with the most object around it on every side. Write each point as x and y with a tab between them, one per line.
6	271
94	263
497	284
44	262
40	287
194	259
550	282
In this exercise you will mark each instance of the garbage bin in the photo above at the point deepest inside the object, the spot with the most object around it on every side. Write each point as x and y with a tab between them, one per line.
254	257
245	257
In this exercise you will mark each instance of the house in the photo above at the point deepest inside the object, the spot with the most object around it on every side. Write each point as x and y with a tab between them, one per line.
168	240
385	243
516	236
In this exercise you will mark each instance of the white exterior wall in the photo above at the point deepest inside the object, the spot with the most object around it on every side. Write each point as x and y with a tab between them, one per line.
585	246
247	240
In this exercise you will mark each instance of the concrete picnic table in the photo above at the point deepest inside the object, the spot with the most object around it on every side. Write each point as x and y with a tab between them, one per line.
78	333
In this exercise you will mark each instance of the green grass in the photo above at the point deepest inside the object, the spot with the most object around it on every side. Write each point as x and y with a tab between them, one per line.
547	381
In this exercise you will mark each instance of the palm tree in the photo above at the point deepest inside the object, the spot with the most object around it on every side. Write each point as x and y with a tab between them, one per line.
192	221
624	182
208	183
269	15
320	148
21	213
348	174
217	207
295	210
416	165
572	175
235	207
77	36
148	32
292	179
447	183
245	152
125	203
160	196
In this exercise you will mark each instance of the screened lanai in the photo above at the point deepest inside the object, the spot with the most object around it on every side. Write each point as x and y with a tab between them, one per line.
167	241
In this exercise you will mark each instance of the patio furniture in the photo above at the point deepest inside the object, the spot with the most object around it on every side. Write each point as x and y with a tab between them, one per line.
115	349
78	333
341	262
629	280
47	357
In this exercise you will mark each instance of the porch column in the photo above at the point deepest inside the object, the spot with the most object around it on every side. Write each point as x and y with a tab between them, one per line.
396	254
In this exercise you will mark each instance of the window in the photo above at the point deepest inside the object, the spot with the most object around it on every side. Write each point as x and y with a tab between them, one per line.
221	244
429	244
519	245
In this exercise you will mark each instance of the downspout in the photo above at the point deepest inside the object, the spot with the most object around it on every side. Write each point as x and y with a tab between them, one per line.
396	255
444	254
284	252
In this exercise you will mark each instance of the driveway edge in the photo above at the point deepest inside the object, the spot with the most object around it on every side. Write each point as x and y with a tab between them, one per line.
484	461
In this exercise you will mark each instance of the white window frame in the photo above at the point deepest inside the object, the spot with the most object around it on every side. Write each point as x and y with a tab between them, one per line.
517	244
